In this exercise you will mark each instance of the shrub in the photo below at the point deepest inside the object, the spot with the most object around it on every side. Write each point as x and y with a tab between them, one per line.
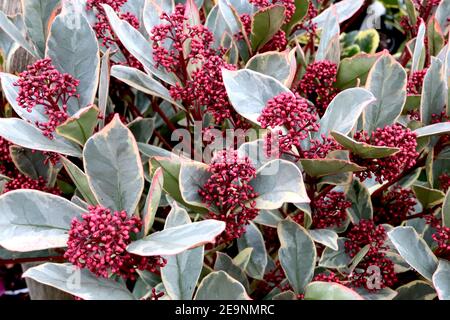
227	150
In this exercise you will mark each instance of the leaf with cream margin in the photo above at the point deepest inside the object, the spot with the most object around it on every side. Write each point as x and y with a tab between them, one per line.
193	176
78	282
174	240
152	201
80	127
414	250
219	285
344	9
26	135
387	81
434	92
278	65
249	91
319	290
279	182
113	167
329	46
441	280
32	220
418	57
344	111
297	254
433	130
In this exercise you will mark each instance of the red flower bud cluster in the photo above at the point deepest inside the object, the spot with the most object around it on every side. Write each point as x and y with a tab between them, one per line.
317	85
415	82
229	194
442	238
206	88
278	42
328	210
395	206
41	84
176	32
21	181
388	168
5	155
295	114
99	240
367	233
444	182
331	277
319	149
103	28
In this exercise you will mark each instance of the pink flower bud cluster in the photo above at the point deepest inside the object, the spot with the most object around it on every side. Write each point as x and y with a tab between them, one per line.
169	41
42	85
103	28
228	193
387	169
317	85
330	277
294	114
328	210
320	149
278	42
395	206
367	233
415	82
5	155
21	181
442	238
99	240
206	88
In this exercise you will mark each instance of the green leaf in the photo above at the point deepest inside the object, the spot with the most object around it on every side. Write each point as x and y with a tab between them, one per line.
152	201
174	240
297	254
193	176
37	15
329	46
435	37
344	110
181	273
269	218
143	82
74	50
433	130
335	258
361	208
418	59
324	167
362	149
416	290
279	182
11	93
414	250
137	45
446	210
434	93
225	263
15	34
32	220
329	291
278	65
387	81
355	69
328	238
30	162
442	14
345	9
113	167
80	127
220	286
28	136
265	23
368	40
142	128
80	180
249	91
441	280
252	238
301	9
411	11
78	282
428	197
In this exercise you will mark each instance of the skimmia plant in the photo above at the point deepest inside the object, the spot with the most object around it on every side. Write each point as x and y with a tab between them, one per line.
227	149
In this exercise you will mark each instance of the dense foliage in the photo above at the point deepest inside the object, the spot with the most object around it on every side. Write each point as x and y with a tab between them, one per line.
228	149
